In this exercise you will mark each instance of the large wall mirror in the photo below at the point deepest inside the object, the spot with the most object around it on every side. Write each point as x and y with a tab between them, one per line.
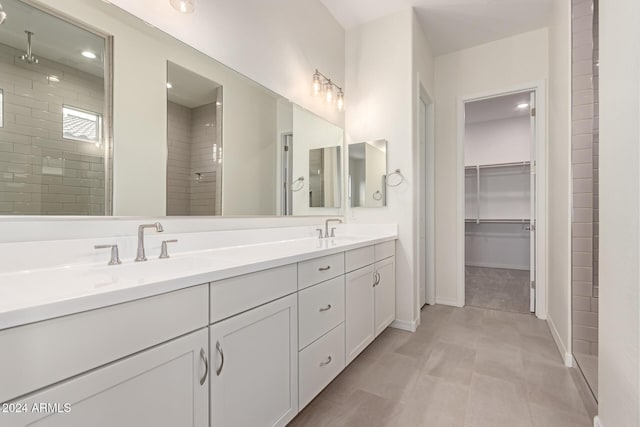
367	174
188	135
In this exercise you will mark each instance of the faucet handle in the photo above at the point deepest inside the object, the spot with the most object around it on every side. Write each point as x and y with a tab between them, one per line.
319	230
163	248
115	256
333	232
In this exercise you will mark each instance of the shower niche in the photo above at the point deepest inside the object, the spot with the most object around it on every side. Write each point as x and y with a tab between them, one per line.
194	139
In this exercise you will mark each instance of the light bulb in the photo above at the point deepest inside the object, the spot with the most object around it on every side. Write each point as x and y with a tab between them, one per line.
184	6
316	83
328	92
340	100
169	85
522	106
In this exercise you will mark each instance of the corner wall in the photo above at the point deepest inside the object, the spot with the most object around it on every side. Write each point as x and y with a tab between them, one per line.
559	183
619	275
492	67
382	104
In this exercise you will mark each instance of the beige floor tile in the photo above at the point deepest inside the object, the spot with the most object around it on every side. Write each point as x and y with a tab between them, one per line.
435	402
545	417
496	403
451	362
363	409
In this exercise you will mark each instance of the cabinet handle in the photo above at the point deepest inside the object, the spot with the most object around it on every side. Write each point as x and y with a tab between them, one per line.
219	349
326	362
324	268
376	278
203	356
327	308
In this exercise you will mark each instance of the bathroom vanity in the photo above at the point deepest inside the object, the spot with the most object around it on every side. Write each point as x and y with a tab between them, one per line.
243	335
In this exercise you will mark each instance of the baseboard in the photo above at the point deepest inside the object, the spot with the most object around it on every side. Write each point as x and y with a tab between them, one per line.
447	301
495	265
596	421
405	325
567	357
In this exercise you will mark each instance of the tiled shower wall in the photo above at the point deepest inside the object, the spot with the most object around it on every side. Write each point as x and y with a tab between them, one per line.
585	178
40	172
193	148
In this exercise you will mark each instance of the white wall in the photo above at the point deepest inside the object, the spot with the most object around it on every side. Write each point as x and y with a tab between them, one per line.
277	43
559	183
619	334
381	75
498	141
492	67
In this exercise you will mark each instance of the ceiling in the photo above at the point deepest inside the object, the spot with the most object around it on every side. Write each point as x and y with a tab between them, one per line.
451	25
501	107
188	88
53	39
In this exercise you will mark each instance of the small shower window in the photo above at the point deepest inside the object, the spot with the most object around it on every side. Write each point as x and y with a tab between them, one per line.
81	125
1	108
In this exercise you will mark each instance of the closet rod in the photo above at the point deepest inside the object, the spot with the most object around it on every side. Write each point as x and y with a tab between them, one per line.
498	221
499	165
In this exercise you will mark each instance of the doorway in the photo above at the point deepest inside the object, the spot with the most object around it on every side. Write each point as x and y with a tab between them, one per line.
499	145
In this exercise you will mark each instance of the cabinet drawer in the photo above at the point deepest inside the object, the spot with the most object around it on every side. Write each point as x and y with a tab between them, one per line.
385	250
36	355
237	294
320	363
320	309
320	269
358	258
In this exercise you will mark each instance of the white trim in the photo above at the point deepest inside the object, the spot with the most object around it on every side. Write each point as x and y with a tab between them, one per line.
496	265
448	301
596	421
405	325
541	187
567	357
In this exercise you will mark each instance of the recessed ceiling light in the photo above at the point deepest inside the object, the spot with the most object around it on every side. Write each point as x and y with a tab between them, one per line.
89	54
169	85
522	106
54	79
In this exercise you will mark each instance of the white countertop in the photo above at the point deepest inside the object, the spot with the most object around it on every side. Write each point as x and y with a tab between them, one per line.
29	296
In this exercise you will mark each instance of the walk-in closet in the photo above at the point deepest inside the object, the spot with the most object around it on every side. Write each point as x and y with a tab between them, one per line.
499	201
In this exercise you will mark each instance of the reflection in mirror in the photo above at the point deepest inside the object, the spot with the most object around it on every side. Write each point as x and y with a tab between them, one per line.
194	139
324	177
54	150
367	172
317	165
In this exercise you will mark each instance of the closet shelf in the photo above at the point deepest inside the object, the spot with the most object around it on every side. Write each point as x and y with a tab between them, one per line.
498	220
497	165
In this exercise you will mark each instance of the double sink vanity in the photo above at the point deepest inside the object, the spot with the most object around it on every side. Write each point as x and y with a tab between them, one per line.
245	331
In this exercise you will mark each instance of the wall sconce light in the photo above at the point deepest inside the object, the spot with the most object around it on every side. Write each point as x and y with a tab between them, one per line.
184	6
322	85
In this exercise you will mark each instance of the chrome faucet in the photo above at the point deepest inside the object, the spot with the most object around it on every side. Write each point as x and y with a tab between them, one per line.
140	255
326	227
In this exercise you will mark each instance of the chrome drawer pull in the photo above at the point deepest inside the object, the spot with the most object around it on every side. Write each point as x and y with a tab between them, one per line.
219	348
203	356
324	268
326	362
327	308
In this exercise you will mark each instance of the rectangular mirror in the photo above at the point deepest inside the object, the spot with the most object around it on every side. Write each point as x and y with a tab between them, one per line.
324	177
54	116
367	173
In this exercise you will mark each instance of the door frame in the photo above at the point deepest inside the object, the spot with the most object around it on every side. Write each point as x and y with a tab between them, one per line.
539	88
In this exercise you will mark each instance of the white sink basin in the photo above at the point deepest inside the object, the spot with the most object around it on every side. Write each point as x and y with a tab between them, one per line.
158	267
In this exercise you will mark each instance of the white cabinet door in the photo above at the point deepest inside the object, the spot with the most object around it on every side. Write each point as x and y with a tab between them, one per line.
165	386
254	370
359	311
385	294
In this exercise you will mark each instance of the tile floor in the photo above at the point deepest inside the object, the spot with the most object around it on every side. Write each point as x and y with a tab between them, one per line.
497	288
463	367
